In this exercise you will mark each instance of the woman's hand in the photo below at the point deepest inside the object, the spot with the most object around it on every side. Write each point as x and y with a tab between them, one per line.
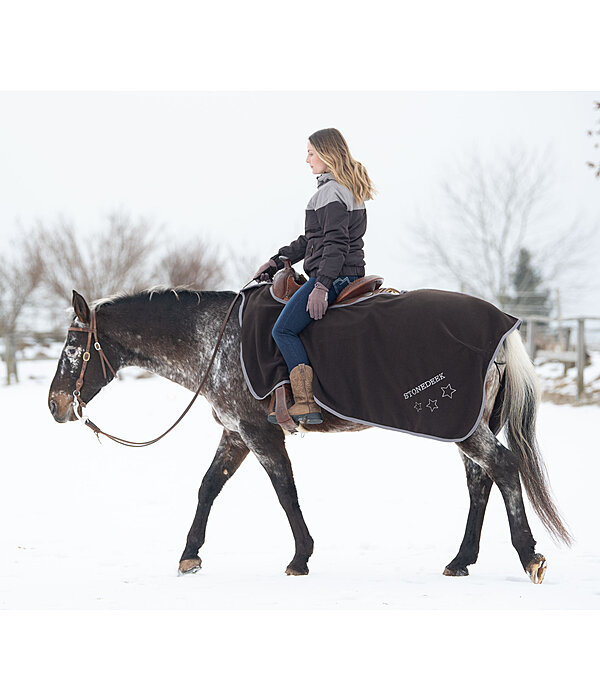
264	274
318	300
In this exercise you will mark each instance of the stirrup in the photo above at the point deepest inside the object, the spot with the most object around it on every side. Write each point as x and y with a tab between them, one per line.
278	410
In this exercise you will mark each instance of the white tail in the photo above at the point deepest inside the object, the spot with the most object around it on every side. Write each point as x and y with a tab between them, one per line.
519	412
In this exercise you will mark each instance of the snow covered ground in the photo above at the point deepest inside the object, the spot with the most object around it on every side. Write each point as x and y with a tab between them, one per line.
99	526
560	386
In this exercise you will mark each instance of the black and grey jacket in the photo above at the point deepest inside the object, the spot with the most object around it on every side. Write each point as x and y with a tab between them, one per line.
332	243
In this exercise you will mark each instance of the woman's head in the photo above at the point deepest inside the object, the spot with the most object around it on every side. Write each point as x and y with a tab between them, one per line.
328	151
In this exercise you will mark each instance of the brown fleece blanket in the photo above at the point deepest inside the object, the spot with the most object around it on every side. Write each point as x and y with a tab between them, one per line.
414	362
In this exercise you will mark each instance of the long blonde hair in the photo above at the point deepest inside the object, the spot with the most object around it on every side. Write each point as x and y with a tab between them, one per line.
332	149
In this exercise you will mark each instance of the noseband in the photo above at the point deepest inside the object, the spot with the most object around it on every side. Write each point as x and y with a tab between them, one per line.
91	330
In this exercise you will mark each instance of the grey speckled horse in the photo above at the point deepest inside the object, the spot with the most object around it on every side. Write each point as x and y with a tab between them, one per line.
173	334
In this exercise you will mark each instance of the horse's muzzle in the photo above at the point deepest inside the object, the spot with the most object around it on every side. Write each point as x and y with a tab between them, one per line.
61	407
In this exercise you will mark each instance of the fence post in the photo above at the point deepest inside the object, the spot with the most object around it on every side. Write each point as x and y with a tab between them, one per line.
531	339
11	358
580	357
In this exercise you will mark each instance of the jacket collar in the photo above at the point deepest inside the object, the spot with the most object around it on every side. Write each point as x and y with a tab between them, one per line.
324	177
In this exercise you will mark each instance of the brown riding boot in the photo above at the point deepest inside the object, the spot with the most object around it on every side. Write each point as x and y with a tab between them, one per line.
305	409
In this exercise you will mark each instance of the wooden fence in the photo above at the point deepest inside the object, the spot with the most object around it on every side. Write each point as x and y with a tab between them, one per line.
563	355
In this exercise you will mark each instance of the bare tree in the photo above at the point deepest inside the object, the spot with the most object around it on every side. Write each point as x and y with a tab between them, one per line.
195	265
489	211
108	261
591	132
200	265
20	274
241	265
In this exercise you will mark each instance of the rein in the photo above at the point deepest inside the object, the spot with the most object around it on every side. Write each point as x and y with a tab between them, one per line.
78	404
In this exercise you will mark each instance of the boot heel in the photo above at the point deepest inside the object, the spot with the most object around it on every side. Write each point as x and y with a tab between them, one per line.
308	418
313	419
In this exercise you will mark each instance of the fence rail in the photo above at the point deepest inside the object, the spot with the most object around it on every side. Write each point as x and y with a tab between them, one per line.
566	355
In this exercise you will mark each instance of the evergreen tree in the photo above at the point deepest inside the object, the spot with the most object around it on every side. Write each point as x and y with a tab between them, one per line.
527	298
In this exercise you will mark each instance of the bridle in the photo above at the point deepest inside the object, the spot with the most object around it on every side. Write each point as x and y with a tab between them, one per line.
91	330
78	404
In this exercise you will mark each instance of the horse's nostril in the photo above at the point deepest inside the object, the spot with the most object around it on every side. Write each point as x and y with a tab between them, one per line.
53	407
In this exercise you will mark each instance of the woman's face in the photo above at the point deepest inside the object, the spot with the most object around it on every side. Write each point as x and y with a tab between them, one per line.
316	164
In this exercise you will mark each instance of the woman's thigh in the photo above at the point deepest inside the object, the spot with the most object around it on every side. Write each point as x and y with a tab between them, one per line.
294	317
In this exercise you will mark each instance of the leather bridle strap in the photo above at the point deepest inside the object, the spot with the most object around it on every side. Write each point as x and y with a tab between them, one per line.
91	330
122	441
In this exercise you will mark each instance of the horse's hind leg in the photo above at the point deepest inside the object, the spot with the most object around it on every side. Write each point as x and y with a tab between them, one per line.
268	445
230	454
501	464
480	485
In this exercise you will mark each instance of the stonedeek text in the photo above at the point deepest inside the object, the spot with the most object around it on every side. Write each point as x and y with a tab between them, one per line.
424	385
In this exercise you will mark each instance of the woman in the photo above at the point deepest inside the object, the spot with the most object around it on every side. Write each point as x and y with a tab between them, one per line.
332	250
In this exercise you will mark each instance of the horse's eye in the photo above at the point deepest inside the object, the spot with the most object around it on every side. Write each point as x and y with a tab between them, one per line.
71	351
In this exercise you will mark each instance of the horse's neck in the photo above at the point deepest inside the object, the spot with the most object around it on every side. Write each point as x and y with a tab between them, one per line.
175	342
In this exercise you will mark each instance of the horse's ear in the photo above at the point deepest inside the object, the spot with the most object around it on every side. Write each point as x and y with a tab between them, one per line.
82	310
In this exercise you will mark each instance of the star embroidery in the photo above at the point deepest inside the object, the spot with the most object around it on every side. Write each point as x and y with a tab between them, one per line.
448	389
432	405
418	407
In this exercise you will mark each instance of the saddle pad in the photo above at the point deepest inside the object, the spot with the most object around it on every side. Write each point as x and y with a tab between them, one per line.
414	362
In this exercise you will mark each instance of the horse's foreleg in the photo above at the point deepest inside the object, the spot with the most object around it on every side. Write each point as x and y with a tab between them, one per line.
501	464
230	454
479	485
268	445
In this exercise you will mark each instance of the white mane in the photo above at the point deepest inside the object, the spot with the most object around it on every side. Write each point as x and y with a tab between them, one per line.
157	289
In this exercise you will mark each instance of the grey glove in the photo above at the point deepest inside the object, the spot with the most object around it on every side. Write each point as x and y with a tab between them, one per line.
318	300
264	273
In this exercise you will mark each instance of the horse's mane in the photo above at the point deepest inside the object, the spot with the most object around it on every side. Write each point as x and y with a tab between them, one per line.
181	293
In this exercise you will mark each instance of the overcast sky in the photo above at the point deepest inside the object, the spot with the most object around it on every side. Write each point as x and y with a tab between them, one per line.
230	166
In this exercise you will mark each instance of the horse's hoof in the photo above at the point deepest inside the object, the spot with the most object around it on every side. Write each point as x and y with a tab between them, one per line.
296	570
189	566
536	569
459	571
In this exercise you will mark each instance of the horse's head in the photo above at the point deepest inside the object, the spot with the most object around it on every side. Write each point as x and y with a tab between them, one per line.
84	367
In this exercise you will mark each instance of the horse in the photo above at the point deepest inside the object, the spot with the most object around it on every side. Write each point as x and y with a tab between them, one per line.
173	333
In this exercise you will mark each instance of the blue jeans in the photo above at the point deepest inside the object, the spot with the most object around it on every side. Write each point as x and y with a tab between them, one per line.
294	318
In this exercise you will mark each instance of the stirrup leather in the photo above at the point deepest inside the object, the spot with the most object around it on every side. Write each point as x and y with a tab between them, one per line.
281	399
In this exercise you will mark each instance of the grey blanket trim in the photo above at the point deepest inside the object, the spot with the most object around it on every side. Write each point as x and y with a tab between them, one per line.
244	372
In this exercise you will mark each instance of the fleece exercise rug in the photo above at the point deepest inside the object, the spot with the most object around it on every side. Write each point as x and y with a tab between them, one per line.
414	362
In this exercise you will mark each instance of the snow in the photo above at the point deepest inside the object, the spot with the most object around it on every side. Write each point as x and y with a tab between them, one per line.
101	527
562	385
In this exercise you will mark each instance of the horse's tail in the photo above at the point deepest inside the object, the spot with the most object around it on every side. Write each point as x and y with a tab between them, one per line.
519	413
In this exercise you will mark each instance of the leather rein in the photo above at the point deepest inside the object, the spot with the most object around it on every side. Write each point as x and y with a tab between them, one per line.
78	404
